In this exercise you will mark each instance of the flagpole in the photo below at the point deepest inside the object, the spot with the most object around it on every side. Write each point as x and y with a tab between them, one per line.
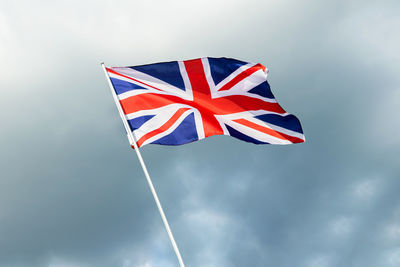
132	141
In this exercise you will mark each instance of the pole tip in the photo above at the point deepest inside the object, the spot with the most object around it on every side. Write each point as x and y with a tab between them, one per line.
102	63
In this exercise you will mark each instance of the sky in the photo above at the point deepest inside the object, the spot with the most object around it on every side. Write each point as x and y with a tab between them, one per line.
72	193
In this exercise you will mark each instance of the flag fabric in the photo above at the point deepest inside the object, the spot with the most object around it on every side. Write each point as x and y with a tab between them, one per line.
174	103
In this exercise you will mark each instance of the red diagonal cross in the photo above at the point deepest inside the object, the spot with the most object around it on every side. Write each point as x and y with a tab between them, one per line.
202	100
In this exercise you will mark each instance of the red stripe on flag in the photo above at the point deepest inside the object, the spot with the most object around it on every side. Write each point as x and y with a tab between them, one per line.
148	101
202	97
269	131
164	127
218	106
243	75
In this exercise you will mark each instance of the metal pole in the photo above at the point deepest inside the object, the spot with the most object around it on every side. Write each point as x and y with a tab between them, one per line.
132	141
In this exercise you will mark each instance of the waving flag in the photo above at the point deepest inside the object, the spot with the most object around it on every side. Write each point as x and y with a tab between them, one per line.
174	103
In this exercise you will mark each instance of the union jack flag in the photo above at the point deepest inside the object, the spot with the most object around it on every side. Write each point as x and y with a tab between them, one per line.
174	103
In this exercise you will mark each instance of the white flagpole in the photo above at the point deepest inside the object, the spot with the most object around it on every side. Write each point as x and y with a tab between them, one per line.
132	141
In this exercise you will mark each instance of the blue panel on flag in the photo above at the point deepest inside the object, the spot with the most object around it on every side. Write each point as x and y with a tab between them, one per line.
239	135
139	121
289	122
121	86
262	89
223	67
168	72
184	133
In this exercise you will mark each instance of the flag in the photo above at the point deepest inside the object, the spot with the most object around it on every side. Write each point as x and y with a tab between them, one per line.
174	103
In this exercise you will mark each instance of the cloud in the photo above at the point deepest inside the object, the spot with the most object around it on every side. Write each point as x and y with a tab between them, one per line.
72	192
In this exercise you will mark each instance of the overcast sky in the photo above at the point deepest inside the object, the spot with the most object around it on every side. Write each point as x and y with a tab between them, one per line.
72	193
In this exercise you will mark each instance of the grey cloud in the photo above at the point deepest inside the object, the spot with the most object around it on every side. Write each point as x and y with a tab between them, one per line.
72	192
